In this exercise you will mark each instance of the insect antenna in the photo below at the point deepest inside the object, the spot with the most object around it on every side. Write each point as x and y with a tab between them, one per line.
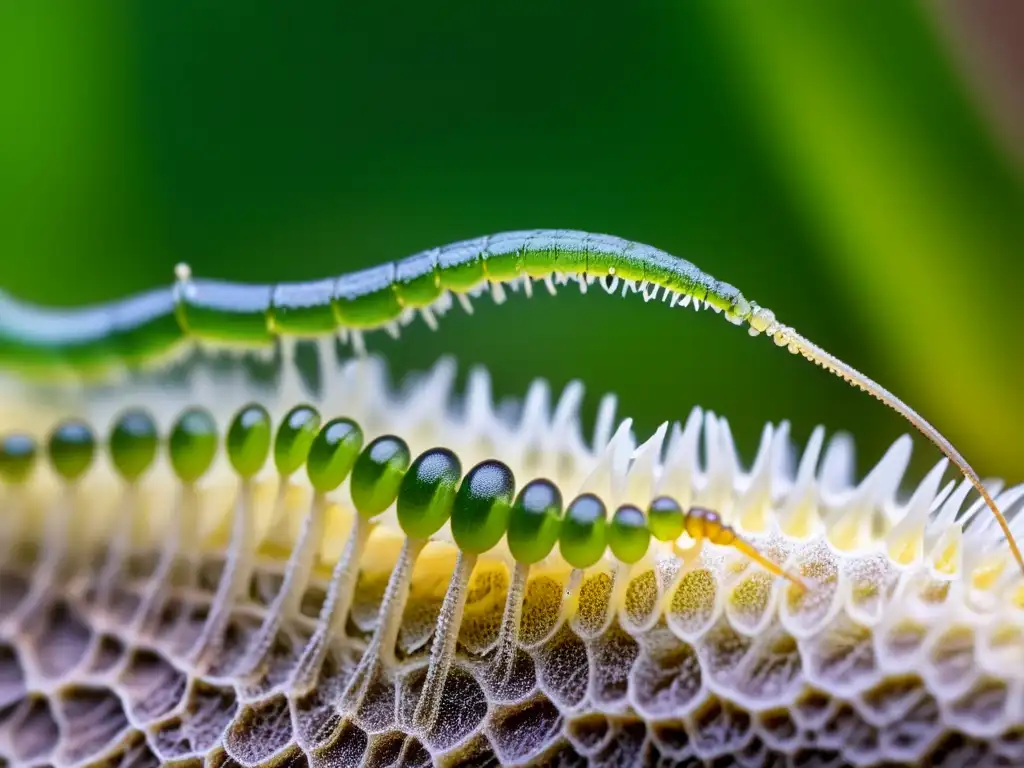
785	336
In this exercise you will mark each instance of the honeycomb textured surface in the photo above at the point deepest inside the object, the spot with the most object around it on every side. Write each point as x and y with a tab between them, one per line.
663	668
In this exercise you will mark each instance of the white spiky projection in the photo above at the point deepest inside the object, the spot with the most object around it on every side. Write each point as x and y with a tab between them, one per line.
907	648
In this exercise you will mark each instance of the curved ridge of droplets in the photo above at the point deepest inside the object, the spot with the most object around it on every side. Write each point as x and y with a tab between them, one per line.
809	493
696	462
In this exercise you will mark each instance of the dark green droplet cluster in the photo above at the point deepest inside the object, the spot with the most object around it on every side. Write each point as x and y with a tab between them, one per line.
428	492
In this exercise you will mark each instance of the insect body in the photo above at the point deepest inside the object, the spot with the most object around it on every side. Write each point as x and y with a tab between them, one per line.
154	325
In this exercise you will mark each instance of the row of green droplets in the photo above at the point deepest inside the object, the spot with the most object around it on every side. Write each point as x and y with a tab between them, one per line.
429	490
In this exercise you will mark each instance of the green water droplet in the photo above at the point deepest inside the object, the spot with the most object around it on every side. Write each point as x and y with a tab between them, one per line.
378	474
427	492
535	521
333	454
133	443
628	536
482	505
665	519
248	440
18	453
582	538
193	444
72	447
294	438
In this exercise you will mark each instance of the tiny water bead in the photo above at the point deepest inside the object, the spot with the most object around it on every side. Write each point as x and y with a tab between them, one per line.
193	444
377	474
535	521
248	440
481	508
333	454
427	491
294	438
582	538
134	440
17	457
71	448
665	519
628	535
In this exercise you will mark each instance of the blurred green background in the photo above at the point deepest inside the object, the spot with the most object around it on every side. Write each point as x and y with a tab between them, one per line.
844	163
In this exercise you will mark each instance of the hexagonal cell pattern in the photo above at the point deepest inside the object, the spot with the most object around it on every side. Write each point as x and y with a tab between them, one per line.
598	682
